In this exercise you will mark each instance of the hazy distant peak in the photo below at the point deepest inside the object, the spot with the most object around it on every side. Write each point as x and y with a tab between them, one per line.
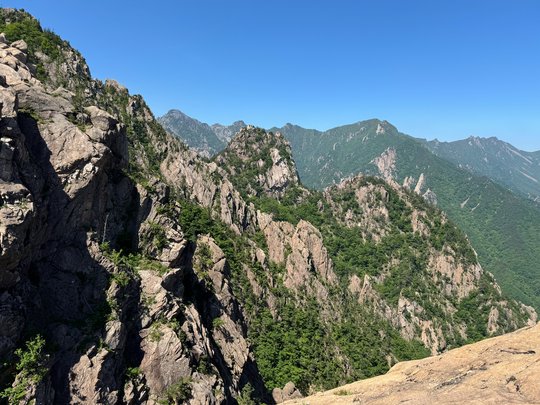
205	139
504	163
177	113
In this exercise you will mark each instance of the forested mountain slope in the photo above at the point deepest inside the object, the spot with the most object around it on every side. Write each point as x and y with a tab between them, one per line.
513	168
502	226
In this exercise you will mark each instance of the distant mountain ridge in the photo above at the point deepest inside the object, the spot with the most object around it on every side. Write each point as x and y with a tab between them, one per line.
205	139
500	161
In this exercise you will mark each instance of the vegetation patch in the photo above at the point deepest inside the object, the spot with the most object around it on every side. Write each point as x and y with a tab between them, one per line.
30	370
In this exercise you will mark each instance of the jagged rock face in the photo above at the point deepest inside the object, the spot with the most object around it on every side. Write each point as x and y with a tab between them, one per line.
63	192
260	162
301	250
278	235
371	216
498	370
308	254
387	167
204	183
386	162
55	183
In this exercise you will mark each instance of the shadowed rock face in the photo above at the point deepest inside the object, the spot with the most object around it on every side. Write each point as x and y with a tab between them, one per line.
500	370
63	192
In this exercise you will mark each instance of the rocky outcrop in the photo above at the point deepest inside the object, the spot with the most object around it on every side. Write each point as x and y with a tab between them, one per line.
227	132
278	236
309	269
287	393
386	162
498	370
205	184
458	279
300	249
370	215
264	169
279	175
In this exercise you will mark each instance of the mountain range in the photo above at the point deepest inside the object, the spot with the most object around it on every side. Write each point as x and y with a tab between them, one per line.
515	169
502	225
135	271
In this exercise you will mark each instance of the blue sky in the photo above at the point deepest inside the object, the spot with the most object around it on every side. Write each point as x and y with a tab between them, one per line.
442	69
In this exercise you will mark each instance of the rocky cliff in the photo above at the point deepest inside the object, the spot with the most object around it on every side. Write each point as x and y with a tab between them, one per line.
133	271
260	163
90	262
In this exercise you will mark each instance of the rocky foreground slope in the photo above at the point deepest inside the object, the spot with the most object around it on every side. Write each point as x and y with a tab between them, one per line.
501	370
133	271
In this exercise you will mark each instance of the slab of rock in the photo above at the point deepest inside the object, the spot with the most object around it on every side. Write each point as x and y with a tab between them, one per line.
500	370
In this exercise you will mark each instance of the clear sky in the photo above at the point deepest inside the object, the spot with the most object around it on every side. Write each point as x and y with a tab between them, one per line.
442	69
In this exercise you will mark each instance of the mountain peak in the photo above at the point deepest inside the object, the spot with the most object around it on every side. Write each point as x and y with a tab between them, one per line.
195	134
177	114
261	162
207	140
